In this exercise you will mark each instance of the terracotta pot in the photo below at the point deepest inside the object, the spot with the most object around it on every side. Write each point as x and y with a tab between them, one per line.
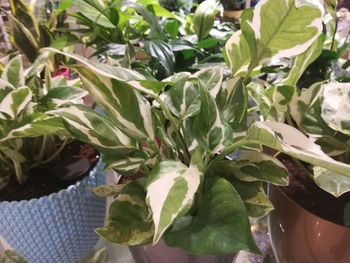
161	253
298	236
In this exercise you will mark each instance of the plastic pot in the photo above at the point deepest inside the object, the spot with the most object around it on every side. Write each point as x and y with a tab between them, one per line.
56	228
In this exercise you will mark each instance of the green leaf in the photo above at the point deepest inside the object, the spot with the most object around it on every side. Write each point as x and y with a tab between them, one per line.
336	106
298	24
95	11
291	141
237	53
183	100
212	79
253	166
232	102
63	95
221	225
208	43
13	72
332	182
302	61
254	198
129	221
65	40
15	102
9	256
162	52
37	127
108	190
203	19
89	127
128	109
171	188
172	28
209	129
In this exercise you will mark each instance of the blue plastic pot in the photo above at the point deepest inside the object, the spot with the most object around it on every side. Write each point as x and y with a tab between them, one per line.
58	228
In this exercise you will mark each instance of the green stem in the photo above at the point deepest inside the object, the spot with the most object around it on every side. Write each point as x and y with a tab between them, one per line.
335	32
42	149
53	156
226	151
168	114
307	172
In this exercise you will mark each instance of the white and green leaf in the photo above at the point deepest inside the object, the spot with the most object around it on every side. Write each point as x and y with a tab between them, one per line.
171	191
15	102
203	18
13	72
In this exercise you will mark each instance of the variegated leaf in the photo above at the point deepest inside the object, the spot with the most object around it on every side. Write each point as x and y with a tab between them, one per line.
15	102
296	22
237	53
129	221
89	127
220	226
212	78
302	61
38	127
209	128
171	191
182	99
291	141
332	182
128	109
13	72
253	166
63	95
336	106
203	18
108	190
232	101
254	198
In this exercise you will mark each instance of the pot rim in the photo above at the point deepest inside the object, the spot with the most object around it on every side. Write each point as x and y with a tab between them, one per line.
79	184
278	188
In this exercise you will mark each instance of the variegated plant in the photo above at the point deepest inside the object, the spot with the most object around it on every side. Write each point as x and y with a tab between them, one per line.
175	134
26	130
314	99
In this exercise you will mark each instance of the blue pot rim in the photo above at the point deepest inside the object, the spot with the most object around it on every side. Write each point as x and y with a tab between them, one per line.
98	167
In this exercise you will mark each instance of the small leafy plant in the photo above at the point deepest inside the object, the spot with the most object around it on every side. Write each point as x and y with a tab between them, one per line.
29	137
175	134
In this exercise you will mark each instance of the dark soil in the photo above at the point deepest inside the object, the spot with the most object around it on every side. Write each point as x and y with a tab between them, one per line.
307	194
73	164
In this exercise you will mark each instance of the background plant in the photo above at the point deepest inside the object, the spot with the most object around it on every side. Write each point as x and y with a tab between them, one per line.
26	130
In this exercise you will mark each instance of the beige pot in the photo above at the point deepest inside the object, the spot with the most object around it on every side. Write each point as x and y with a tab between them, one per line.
299	236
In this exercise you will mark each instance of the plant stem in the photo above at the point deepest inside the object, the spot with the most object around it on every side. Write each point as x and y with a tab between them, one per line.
335	32
42	149
53	156
225	152
168	114
307	172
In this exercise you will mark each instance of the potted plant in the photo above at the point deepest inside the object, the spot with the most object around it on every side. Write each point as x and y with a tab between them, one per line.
175	134
47	209
308	91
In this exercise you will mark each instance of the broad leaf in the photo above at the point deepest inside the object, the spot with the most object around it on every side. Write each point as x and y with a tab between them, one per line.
336	106
302	61
15	102
89	127
212	78
162	52
203	19
129	221
128	109
332	182
209	128
183	99
220	226
171	190
274	21
63	95
95	11
237	53
253	166
13	72
291	141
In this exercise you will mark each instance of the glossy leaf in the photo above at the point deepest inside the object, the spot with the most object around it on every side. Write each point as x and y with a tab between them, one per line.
203	18
332	182
15	102
13	72
221	225
171	189
162	52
